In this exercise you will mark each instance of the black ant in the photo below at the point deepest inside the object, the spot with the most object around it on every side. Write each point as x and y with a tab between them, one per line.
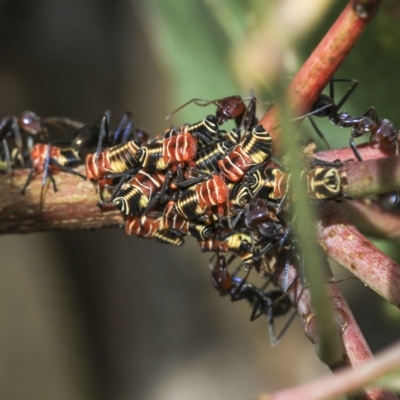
273	303
382	131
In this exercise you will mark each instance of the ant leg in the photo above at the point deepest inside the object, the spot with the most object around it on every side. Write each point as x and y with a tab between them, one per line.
266	304
281	204
203	176
248	119
28	181
128	174
328	102
125	176
236	294
165	184
44	186
179	174
257	308
42	191
104	132
8	128
264	250
316	162
52	180
319	133
17	134
354	148
107	114
314	111
8	160
46	170
232	223
180	181
68	170
159	194
271	327
204	138
64	120
125	120
127	132
332	281
122	123
346	95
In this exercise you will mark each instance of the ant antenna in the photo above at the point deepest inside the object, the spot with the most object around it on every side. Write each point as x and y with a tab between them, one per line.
195	100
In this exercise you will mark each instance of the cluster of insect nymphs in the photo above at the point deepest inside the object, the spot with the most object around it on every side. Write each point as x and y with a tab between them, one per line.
223	187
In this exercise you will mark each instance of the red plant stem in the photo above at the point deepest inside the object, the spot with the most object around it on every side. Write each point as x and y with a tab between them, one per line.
345	244
355	346
356	349
348	380
370	177
344	154
371	218
322	64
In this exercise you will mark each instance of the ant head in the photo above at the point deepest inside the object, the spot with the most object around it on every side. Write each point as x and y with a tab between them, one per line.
257	212
229	108
30	123
386	133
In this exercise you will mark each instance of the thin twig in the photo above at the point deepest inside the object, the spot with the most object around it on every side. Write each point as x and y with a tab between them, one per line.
345	381
356	350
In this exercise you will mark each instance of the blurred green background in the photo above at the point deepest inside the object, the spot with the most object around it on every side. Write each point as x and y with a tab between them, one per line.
99	315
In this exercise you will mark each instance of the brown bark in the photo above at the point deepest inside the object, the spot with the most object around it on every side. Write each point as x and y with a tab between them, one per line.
72	207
